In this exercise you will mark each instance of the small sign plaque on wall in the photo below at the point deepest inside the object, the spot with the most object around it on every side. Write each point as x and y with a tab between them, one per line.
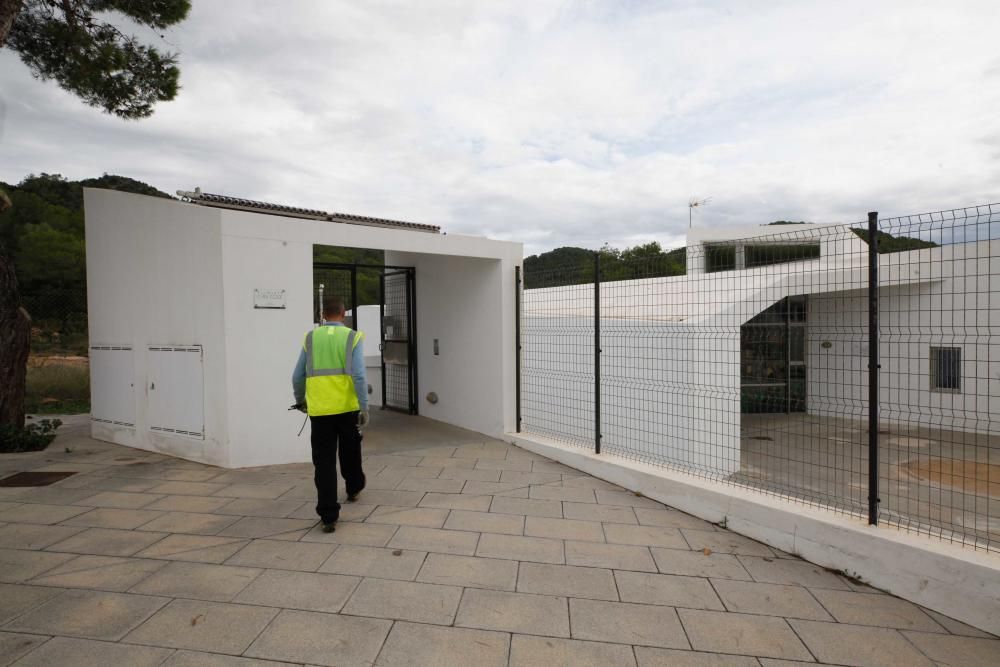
265	298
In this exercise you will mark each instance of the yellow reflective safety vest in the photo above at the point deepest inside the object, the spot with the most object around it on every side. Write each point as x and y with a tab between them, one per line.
329	364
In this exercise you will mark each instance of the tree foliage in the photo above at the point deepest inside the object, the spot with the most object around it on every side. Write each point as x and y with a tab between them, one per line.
574	266
79	45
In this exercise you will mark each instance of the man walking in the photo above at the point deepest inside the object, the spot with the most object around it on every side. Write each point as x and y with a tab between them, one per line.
330	386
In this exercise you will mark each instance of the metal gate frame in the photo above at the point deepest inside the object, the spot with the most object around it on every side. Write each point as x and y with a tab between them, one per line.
411	315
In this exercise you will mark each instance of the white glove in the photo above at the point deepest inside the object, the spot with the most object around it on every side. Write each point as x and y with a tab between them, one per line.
363	418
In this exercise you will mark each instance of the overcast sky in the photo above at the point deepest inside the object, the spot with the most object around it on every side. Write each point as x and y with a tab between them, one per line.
554	123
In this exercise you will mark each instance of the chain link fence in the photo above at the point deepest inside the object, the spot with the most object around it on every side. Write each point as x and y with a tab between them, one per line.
58	379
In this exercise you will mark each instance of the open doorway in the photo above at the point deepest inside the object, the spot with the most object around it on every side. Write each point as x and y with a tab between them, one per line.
383	298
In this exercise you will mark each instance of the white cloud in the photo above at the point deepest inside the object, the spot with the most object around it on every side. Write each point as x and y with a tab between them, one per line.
555	123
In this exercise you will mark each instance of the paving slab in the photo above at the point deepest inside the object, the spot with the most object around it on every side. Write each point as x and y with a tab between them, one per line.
405	601
957	627
742	634
33	536
515	547
119	500
109	573
561	493
412	644
435	485
88	614
106	541
191	523
527	507
485	522
15	599
626	498
378	562
199	581
881	610
668	590
348	532
670	518
17	565
521	465
40	514
661	657
615	556
262	507
769	599
179	503
457	501
321	639
426	517
282	555
858	645
202	659
187	488
387	497
506	489
514	612
726	542
603	513
526	651
434	540
216	627
648	536
529	478
299	590
195	548
957	651
567	580
467	474
265	527
626	623
90	653
13	645
469	571
564	529
785	571
114	518
699	564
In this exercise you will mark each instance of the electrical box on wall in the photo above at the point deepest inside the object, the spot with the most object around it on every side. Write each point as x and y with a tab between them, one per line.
112	385
175	389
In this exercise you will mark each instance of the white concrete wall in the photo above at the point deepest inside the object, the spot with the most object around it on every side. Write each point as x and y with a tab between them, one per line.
953	306
154	277
467	305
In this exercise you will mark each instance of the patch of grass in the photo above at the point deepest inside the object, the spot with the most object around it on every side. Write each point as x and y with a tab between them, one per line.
57	386
32	438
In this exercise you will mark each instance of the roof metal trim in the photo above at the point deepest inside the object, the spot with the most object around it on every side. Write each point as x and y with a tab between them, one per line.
238	204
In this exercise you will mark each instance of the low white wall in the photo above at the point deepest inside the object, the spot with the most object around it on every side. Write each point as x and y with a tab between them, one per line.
961	583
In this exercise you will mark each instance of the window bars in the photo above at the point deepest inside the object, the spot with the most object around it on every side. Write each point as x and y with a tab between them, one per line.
802	361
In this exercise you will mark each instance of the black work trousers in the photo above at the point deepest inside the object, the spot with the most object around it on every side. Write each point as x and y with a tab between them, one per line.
329	433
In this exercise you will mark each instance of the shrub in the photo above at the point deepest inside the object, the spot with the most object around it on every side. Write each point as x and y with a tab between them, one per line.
31	438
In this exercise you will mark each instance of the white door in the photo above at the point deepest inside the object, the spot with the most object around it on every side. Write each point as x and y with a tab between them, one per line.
176	390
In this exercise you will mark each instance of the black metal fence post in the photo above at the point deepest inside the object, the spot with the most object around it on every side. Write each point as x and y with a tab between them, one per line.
597	352
873	367
517	347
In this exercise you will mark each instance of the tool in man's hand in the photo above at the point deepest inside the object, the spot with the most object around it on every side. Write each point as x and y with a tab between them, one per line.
301	407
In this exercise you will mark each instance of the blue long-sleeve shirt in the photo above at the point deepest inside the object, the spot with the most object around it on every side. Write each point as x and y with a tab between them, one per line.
357	373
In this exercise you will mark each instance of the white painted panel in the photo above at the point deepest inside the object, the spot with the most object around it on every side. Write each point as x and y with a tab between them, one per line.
176	390
112	388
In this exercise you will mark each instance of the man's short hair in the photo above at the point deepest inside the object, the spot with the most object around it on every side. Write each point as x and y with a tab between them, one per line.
333	306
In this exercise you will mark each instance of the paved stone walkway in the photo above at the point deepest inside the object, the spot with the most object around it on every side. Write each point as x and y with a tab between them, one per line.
471	553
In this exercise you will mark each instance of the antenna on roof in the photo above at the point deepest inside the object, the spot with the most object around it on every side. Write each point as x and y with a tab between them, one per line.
693	203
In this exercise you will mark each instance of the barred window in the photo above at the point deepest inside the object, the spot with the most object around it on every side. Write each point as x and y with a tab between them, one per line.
946	369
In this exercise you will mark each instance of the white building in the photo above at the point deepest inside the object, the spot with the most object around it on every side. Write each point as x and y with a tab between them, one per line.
197	314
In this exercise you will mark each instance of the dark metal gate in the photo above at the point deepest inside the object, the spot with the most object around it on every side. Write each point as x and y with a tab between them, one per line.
399	340
397	317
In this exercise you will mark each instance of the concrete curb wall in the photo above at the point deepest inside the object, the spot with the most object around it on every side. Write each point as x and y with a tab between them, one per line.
953	580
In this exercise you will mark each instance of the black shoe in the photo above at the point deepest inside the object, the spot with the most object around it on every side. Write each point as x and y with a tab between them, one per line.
329	527
351	497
